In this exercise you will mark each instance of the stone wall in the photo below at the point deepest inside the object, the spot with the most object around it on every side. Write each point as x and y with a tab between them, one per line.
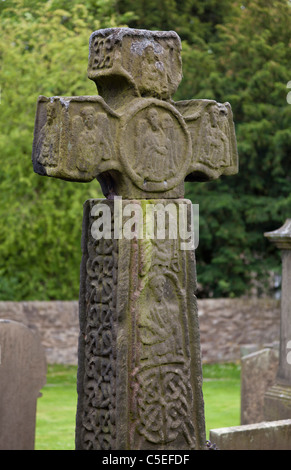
228	324
57	323
225	326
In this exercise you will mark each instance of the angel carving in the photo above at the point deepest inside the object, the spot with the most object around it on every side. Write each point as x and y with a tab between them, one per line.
94	142
152	148
48	141
215	137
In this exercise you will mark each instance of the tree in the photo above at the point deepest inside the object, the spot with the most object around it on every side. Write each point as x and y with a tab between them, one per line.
252	56
43	50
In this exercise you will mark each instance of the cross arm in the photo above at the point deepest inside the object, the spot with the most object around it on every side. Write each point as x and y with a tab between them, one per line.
74	137
214	149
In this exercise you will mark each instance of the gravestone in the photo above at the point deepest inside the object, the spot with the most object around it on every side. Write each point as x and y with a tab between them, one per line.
139	372
277	404
22	375
274	435
258	373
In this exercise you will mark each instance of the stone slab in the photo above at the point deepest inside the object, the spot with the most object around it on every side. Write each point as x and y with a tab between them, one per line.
258	373
273	435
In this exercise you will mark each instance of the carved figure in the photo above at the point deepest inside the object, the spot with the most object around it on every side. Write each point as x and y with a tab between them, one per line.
48	142
153	148
159	326
94	142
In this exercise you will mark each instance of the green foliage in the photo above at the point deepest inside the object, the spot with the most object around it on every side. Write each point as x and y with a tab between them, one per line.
222	370
56	409
232	51
252	56
43	50
193	20
222	403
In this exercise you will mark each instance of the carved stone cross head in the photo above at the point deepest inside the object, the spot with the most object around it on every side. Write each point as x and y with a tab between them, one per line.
133	137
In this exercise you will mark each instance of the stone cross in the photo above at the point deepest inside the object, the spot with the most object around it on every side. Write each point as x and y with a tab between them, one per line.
278	397
139	374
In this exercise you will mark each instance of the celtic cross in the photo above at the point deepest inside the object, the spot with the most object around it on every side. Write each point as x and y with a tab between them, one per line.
139	371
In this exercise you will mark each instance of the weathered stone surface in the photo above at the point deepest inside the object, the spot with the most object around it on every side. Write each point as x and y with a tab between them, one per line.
258	373
273	435
57	323
22	375
147	62
139	344
228	324
277	403
145	149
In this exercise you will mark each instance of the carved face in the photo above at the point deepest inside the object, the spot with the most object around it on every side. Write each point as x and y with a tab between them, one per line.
50	112
88	117
153	118
167	122
156	284
215	115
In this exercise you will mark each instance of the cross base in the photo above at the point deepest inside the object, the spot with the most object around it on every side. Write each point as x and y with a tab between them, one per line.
139	375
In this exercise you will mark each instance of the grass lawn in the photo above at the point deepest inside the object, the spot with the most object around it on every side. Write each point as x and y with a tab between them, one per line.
56	409
221	392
